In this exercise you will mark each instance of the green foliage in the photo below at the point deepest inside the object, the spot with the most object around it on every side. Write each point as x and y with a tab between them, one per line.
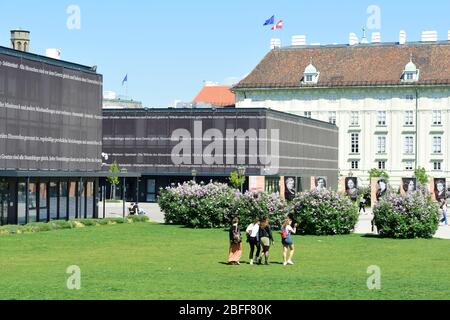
421	175
377	173
324	213
114	169
197	206
138	218
407	217
253	205
236	180
63	224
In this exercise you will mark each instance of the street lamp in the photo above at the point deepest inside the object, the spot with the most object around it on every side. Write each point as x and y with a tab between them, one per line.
194	175
241	171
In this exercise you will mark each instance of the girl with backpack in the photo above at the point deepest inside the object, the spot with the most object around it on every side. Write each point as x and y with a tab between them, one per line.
235	252
287	242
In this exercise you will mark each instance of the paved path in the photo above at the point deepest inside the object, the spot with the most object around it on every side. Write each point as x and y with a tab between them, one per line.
115	210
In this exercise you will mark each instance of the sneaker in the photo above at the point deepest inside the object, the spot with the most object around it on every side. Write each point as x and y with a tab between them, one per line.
290	262
238	263
251	262
285	264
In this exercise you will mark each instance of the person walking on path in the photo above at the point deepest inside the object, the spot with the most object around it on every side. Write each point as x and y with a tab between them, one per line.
362	205
235	252
444	203
253	240
266	238
287	241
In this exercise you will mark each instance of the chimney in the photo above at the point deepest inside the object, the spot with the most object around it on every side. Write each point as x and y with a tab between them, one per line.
402	37
275	43
353	39
53	53
429	36
20	40
376	37
299	40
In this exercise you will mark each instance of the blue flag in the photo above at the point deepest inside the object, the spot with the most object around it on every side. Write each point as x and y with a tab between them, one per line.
125	79
270	21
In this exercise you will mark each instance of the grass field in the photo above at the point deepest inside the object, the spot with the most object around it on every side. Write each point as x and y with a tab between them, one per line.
147	261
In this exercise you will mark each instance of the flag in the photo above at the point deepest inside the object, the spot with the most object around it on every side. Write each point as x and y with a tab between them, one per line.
270	21
278	26
125	80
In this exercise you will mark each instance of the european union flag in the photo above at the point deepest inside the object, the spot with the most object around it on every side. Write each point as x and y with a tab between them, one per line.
270	21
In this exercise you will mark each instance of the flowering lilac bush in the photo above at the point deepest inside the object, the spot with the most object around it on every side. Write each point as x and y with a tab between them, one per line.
259	204
407	217
324	213
197	206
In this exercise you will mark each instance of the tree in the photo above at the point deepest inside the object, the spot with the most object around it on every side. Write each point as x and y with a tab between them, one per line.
377	173
421	175
236	180
113	179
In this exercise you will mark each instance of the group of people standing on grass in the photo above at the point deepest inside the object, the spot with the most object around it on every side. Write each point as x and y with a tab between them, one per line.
260	239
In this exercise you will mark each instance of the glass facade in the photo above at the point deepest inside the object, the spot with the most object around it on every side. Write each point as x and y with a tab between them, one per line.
21	203
53	195
32	202
43	205
63	192
4	202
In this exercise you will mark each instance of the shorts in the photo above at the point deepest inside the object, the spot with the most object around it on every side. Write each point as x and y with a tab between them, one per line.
265	242
287	242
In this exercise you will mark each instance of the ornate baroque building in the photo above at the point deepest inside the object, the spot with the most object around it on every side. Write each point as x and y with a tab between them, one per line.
390	101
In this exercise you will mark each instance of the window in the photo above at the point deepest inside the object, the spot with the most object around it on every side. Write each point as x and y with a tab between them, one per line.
437	165
381	118
409	145
309	78
355	142
354	165
354	118
409	165
410	76
437	117
308	114
381	145
409	97
332	117
409	118
382	165
437	145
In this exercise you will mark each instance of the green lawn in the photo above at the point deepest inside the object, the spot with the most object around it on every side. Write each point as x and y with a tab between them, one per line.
147	261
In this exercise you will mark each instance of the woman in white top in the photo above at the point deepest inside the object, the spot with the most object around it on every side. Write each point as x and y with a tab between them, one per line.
286	240
253	240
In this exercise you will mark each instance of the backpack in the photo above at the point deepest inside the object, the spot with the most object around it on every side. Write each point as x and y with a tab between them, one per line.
236	236
284	233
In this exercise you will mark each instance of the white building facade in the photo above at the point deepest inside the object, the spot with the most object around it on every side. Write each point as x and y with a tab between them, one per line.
391	102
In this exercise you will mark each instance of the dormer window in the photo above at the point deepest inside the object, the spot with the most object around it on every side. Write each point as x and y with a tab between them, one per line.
411	73
311	75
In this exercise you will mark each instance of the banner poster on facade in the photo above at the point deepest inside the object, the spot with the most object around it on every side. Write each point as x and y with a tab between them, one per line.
439	189
351	188
320	183
409	186
379	189
290	188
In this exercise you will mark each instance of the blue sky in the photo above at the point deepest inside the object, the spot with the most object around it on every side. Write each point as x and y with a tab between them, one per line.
169	48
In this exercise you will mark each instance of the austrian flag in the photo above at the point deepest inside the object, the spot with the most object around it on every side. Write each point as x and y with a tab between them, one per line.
278	26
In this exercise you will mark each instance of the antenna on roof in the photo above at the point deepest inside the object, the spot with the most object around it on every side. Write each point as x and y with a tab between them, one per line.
364	38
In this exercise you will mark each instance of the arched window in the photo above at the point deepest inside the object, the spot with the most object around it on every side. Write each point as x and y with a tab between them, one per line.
19	46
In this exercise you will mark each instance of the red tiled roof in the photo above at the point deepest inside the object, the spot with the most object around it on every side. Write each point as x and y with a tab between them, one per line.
360	65
217	96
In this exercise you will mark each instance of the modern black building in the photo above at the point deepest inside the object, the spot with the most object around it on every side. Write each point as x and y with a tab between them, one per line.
169	146
50	138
